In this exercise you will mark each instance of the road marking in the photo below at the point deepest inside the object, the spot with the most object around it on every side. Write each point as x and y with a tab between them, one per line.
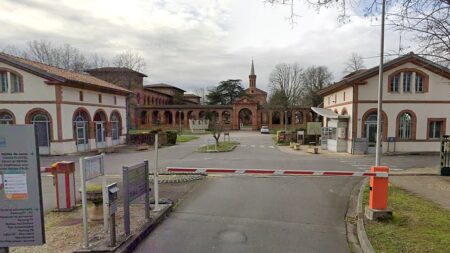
252	146
271	147
261	146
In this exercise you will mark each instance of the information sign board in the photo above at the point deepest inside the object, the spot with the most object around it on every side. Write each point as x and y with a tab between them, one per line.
136	181
93	167
21	213
314	128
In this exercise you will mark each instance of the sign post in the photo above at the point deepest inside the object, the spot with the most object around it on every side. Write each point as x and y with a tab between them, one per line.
135	184
21	211
112	191
156	176
90	168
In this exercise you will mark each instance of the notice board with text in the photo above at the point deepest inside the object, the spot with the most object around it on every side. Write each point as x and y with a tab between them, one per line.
21	212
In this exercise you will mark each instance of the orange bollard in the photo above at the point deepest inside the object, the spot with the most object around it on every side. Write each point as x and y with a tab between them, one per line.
378	189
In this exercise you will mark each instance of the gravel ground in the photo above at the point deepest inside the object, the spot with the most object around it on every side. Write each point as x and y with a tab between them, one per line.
64	230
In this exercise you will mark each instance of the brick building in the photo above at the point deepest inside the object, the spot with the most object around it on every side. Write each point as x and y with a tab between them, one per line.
166	106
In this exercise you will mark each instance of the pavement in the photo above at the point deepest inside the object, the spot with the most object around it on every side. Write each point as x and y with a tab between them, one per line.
434	188
247	213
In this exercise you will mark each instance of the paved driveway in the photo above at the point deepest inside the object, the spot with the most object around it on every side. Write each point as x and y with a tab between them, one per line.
251	214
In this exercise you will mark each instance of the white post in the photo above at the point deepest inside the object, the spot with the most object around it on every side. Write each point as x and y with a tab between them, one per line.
155	176
84	204
104	193
380	90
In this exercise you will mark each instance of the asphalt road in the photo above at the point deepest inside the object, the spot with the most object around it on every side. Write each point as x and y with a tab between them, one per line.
247	213
263	214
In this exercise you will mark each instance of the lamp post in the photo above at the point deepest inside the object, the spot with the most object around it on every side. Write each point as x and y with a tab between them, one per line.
380	88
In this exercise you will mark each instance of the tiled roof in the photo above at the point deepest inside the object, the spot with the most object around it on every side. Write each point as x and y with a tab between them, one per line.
114	69
162	85
191	96
59	75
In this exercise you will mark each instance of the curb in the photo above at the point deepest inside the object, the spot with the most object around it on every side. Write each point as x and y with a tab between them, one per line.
364	242
134	241
356	233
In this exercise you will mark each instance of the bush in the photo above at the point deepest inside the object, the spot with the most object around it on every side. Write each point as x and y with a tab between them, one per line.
171	137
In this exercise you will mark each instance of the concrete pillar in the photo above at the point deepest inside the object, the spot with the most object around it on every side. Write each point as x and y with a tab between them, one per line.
270	119
174	118
186	119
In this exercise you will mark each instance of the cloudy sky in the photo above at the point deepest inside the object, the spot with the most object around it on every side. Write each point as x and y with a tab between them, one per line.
196	43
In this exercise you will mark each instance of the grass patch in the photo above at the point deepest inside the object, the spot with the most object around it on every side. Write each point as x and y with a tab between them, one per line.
418	225
224	146
186	138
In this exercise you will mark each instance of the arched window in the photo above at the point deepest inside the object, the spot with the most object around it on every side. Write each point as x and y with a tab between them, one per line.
6	119
405	126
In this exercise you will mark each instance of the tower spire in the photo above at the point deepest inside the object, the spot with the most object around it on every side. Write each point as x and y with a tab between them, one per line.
252	71
252	79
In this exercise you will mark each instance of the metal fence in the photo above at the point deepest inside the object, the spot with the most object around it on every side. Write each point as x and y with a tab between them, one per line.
445	155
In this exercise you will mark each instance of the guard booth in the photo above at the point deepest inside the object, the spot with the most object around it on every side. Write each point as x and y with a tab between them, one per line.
334	135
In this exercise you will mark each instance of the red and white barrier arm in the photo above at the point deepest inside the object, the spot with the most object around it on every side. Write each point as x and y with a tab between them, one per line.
280	172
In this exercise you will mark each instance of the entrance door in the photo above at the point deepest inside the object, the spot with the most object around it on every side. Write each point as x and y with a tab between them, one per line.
100	134
81	136
41	123
371	135
43	137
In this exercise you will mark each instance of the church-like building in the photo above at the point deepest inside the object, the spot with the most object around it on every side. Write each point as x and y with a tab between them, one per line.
167	106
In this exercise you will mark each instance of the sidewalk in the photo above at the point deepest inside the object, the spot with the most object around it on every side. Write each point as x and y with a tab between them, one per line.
424	185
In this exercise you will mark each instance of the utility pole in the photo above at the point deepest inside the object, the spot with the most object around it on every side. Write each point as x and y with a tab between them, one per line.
380	89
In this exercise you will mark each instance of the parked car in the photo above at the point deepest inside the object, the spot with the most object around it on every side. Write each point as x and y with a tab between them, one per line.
265	130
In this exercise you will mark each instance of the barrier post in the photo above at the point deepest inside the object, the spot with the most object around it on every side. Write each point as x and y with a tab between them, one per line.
155	176
378	197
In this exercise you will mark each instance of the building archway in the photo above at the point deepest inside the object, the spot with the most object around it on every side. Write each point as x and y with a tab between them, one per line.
116	127
81	119
156	118
7	117
168	117
276	118
245	118
100	121
226	117
42	121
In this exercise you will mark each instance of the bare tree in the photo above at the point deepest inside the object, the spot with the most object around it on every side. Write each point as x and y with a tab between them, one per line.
97	61
65	56
427	20
354	63
286	79
313	80
215	126
131	60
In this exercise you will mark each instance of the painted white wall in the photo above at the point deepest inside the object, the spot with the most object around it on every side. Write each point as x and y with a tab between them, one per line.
34	87
439	87
439	90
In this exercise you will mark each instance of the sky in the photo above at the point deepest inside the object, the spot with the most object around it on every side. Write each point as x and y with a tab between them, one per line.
197	43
